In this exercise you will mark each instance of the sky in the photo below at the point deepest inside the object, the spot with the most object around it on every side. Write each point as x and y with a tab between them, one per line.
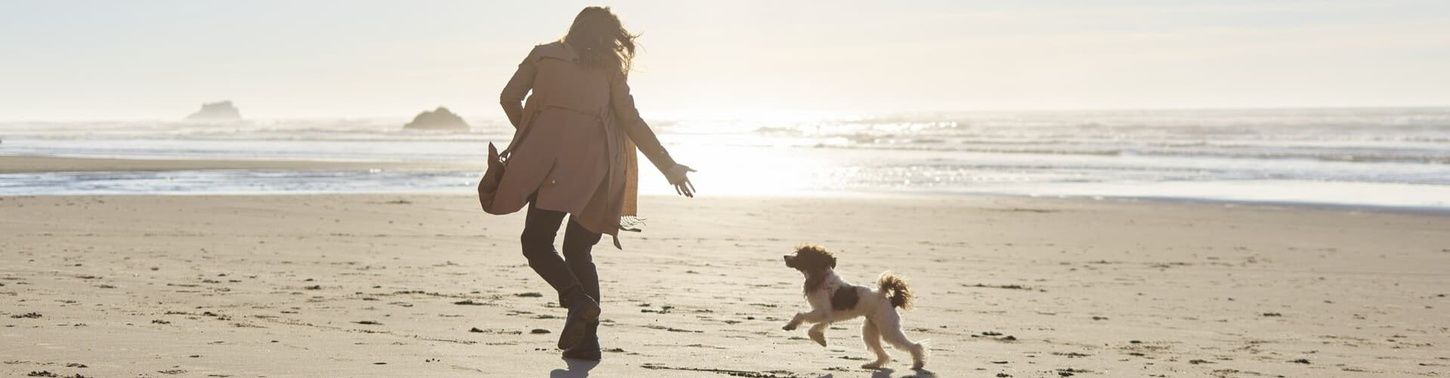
96	60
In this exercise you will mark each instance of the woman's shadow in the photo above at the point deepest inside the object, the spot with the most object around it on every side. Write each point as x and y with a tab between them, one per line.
574	369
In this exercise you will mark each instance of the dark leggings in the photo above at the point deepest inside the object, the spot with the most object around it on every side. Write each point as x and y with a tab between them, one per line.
576	268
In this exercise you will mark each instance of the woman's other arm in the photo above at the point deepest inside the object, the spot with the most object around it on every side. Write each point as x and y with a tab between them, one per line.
512	97
644	138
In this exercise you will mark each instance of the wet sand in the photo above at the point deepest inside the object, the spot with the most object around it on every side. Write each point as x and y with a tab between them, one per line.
407	285
35	164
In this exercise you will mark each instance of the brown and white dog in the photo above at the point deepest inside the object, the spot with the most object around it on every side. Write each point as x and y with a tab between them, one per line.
832	299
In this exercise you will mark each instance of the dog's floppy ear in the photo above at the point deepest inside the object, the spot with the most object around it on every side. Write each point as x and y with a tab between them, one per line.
815	256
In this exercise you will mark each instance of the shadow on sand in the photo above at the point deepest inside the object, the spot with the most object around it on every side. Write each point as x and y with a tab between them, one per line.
889	373
580	369
574	369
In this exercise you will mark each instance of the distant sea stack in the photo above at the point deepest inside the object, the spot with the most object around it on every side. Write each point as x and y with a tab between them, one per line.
216	111
438	119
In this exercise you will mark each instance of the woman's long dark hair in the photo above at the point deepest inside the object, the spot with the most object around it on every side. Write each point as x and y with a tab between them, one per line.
601	40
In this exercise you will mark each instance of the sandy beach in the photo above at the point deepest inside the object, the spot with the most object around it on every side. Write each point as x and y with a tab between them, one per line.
411	285
1228	189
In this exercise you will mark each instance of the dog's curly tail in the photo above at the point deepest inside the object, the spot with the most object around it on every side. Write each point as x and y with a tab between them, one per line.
894	287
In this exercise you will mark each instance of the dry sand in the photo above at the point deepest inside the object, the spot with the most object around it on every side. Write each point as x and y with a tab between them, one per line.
405	285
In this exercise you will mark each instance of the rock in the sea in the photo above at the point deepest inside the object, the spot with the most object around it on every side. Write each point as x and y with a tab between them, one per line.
438	119
216	111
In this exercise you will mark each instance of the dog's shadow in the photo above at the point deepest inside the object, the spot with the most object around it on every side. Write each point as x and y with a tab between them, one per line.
887	373
574	369
917	373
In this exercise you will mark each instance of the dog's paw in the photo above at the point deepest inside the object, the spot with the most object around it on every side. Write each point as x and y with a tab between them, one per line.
873	365
819	338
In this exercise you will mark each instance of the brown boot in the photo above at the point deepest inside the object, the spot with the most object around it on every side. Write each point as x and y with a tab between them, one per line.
583	310
587	350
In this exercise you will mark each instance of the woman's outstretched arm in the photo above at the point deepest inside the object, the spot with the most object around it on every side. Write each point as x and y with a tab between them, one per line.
512	97
644	138
629	119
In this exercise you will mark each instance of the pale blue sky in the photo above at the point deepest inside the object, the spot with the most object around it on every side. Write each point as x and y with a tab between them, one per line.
161	59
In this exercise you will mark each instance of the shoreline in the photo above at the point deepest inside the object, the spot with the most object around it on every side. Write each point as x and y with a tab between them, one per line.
34	164
58	164
1267	205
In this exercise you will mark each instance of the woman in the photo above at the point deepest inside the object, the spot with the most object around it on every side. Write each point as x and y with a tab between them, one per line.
573	153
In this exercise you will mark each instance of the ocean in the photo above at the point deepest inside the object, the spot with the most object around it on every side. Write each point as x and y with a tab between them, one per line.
1378	157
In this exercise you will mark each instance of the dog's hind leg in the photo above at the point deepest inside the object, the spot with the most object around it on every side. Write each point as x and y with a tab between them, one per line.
818	333
890	327
872	337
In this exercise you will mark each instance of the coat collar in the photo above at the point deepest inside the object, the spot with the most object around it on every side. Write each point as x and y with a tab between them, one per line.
557	50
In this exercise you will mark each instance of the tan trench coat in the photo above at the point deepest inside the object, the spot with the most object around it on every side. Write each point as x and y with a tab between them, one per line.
574	145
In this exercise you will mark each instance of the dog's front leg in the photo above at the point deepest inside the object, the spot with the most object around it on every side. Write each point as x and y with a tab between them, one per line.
795	321
815	316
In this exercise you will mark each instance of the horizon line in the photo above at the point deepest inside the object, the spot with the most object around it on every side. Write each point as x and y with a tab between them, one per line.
674	114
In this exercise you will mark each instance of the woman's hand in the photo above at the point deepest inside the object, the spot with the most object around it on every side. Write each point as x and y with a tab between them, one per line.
678	178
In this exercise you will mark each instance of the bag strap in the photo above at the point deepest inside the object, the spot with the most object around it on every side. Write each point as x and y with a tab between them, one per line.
503	155
529	127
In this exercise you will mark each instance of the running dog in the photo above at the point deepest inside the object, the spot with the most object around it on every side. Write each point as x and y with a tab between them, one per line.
832	299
